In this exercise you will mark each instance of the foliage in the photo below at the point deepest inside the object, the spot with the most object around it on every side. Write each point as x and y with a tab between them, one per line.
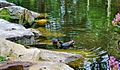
4	14
2	58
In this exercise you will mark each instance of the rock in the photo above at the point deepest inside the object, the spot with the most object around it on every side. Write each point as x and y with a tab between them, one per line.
10	49
16	33
18	14
31	55
18	52
15	65
22	14
2	0
50	66
41	65
55	56
54	60
7	26
36	32
4	3
19	9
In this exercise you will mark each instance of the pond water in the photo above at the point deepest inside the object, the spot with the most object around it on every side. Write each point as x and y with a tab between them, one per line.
88	22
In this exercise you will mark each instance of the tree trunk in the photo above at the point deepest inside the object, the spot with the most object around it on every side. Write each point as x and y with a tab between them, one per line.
109	12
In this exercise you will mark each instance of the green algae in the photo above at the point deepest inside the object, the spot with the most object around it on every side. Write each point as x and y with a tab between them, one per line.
48	33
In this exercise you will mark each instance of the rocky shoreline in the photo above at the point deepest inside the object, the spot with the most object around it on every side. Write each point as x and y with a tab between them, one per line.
19	56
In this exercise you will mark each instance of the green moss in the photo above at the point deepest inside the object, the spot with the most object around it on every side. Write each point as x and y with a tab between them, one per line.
48	33
77	63
2	58
84	53
4	14
4	11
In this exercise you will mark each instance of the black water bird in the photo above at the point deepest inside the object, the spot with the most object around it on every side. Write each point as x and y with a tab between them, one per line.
63	45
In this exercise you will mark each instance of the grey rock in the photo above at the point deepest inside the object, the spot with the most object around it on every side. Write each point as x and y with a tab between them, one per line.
4	3
9	30
16	33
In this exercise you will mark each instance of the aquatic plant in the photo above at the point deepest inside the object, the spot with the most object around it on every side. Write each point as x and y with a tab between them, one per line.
116	20
114	64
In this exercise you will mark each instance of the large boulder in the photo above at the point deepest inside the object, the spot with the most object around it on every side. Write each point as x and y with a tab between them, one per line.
17	33
15	51
52	60
18	52
7	26
23	15
20	10
10	49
